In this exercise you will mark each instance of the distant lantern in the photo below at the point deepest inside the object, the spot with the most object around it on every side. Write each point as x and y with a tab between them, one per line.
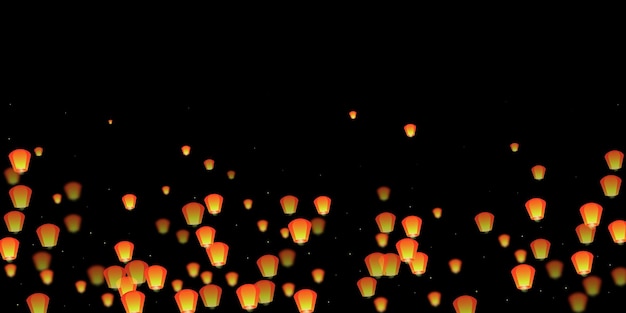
536	208
352	114
610	185
554	269
407	247
583	261
96	274
288	289
465	304
523	275
247	204
591	213
230	174
166	190
81	286
383	193
46	276
619	276
20	160
520	255
207	277
129	201
133	301
107	299
412	226
262	225
11	176
300	230
437	213
177	285
42	260
155	277
375	263
386	222
540	248
614	159
289	203
218	254
578	302
268	265
205	235
391	264
48	235
211	295
617	229
484	221
38	302
539	172
213	203
418	263
318	275
380	304
505	240
287	257
266	291
8	248
137	270
73	190
382	239
514	147
284	232
10	269
72	222
183	236
110	121
317	225
367	286
20	196
124	250
455	265
162	225
126	284
193	212
14	221
209	164
434	297
186	299
38	151
112	275
248	295
592	285
409	130
186	150
56	198
232	278
585	234
322	205
305	300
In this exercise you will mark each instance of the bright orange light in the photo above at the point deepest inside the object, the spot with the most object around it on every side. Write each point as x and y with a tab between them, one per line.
591	213
206	236
539	172
20	160
617	229
193	212
352	114
248	295
455	265
412	226
186	299
305	300
484	221
73	190
536	208
8	248
523	275
14	221
418	263
266	291
129	201
380	304
38	302
465	304
211	295
382	239
514	147
322	205
611	185
409	130
209	164
367	286
268	265
386	222
214	203
218	253
232	278
247	204
540	248
300	230
124	250
614	159
583	261
407	247
289	203
48	235
186	150
505	240
20	196
434	297
133	301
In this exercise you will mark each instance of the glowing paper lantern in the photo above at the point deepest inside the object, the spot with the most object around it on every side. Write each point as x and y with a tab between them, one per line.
20	160
585	234
409	130
619	276
305	300
207	277
96	274
523	275
455	265
484	221
107	299
322	205
375	263
81	286
540	248
591	213
137	270
218	253
418	263
8	248
38	151
300	230
287	257
48	235
232	278
42	260
177	285
211	295
230	174
617	229
126	284
434	297
166	190
352	114
386	222
578	302
73	190
583	261
110	121
367	286
182	236
124	250
610	185
383	193
614	159
437	213
380	304
520	255
317	225
505	240
412	226
38	302
539	172
46	276
206	236
113	276
536	208
10	269
284	232
209	164
266	291
11	176
391	263
186	299
288	289
133	301
555	269
247	204
318	275
514	147
268	265
162	225
186	150
262	225
382	239
592	285
193	212
213	203
57	197
20	196
407	247
193	269
465	304
14	221
248	295
72	223
289	203
155	277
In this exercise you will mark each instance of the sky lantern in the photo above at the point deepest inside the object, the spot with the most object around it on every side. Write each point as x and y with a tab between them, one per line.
218	253
614	159
38	151
56	198
186	299
386	221
322	205
383	193
409	130
578	302
81	286
110	121
248	295
113	275
107	299
38	302
514	146
162	225
137	270
591	213
124	250
96	274
382	239
610	185
536	208
268	265
540	248
155	277
287	257
166	190
247	204
437	213
213	203
317	225
619	276
455	265
193	269
391	264
289	203
305	300
186	150
380	304
484	221
206	236
505	240
20	160
8	248
73	190
48	235
232	278
72	223
375	263
11	176
585	234
367	286
617	229
262	225
182	236
583	261
520	255
193	212
46	276
412	226
418	263
207	277
300	229
318	275
539	172
20	196
10	269
592	285
352	114
266	291
434	297
230	174
523	275
209	164
177	285
554	269
129	200
42	260
284	232
126	284
465	304
210	295
288	289
406	248
14	221
133	301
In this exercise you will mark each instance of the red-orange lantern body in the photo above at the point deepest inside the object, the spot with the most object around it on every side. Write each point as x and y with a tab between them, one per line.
380	304
214	203
523	275
318	275
578	302
418	263
186	299
247	204
352	114
113	275
287	257
38	302
20	160
383	193
300	230
619	276
583	261
317	225
48	235
391	264
211	295
540	248
124	250
72	222
129	201
407	247
437	212
505	240
56	198
585	234
133	301
514	146
262	225
591	213
289	203
182	235
96	274
10	269
386	222
232	278
611	185
434	297
107	299
367	286
268	265
8	248
409	130
206	236
162	225
484	221
20	196
455	265
193	212
539	172
617	229
186	150
305	300
207	277
375	263
465	304
614	159
266	291
592	285
42	260
137	270
536	208
218	254
288	289
73	190
382	239
155	277
166	190
248	295
14	221
11	176
412	226
322	205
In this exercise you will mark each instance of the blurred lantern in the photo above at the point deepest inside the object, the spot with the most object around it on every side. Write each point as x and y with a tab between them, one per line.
305	300
73	190
182	236
11	176
262	225
318	275
266	291
177	285
386	222
455	265
56	198
434	297
591	213
14	221
213	203
155	277
20	196
585	234
317	225
505	240
209	164
322	205
96	274
380	304
133	301
391	263
8	248
536	208
583	261
523	275
619	276
268	265
81	286
113	275
382	239
614	159
48	235
218	253
592	285
617	229
287	257
124	250
248	295
20	160
514	147
437	213
540	248
72	223
383	193
409	130
465	304
578	302
484	221
186	150
165	190
38	302
232	278
107	299
412	226
230	174
247	204
284	232
137	270
211	295
418	263
555	269
110	121
207	277
289	204
206	236
46	276
10	269
193	269
193	212
610	185
375	263
38	151
352	114
186	299
407	247
162	226
299	229
520	255
288	289
129	201
539	172
42	260
367	286
126	284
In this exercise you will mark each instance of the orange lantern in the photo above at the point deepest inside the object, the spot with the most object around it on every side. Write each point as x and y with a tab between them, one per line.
110	121
155	277
391	263
38	302
209	164
186	150
465	304
617	229
520	255
288	289
585	234
207	277
162	225
133	301
262	225
230	174
582	260
352	114
48	235
124	250
177	285
113	275
437	213
266	291
523	275
20	160
407	247
182	236
11	176
218	253
484	221
42	260
287	257
322	205
305	300
20	196
14	221
299	229
434	297
383	193
619	276
193	212
418	263
46	276
455	265
56	198
375	263
248	295
591	213
126	284
137	270
614	159
367	286
610	185
193	269
72	223
38	151
268	265
10	269
284	232
505	240
409	130
213	203
382	239
107	299
247	204
578	302
539	172
514	147
211	295
289	204
536	208
540	248
166	190
206	236
96	274
232	278
186	299
386	222
81	286
412	226
8	248
317	225
72	190
318	275
592	285
555	269
129	201
380	303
